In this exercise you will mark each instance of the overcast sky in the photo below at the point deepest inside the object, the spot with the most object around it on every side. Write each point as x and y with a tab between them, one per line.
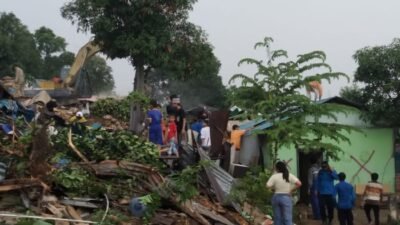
337	27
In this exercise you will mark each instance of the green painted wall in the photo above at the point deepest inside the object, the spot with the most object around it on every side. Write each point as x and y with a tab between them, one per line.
362	145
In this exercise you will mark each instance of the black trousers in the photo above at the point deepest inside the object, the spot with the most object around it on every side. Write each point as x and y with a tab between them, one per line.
375	208
326	206
345	216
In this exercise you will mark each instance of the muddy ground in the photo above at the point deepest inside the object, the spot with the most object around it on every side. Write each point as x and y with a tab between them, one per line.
358	213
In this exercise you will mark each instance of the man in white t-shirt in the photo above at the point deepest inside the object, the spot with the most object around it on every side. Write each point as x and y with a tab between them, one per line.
205	136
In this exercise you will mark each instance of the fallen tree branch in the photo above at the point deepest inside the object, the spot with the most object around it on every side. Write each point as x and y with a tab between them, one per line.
74	148
362	165
107	208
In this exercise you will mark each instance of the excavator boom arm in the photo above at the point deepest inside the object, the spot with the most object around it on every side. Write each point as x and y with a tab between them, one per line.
83	55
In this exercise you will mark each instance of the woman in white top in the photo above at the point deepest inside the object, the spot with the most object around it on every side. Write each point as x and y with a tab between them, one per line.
283	184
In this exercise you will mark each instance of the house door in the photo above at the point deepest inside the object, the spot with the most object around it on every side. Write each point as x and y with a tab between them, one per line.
305	162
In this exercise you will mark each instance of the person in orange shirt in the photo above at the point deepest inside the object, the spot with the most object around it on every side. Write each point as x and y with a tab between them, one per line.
236	136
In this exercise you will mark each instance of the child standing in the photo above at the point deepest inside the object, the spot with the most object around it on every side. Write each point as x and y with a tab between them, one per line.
373	197
346	200
172	135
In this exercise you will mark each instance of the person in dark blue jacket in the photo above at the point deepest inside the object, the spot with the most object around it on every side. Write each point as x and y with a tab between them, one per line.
312	181
326	192
346	200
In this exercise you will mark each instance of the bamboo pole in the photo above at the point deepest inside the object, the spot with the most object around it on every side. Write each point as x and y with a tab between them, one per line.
46	218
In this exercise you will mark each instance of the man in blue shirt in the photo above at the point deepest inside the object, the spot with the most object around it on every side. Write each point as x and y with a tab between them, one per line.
326	192
197	126
346	199
312	180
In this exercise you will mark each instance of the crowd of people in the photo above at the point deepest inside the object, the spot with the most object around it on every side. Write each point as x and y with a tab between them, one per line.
170	131
325	195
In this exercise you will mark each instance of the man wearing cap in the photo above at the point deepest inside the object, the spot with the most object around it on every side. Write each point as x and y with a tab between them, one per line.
77	123
78	118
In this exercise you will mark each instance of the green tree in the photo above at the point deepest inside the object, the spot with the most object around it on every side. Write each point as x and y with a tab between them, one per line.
100	75
146	32
52	51
352	93
48	43
294	116
245	96
197	81
52	65
17	46
206	90
379	71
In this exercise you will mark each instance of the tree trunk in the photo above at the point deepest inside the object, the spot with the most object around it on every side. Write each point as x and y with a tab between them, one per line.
275	149
137	114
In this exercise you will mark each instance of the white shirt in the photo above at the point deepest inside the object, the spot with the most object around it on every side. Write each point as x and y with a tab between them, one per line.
205	137
280	185
373	192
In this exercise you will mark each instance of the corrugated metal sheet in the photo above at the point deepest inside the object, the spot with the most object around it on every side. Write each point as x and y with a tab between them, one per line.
262	126
251	123
220	180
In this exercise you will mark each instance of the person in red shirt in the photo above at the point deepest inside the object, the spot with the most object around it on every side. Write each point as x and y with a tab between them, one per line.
172	135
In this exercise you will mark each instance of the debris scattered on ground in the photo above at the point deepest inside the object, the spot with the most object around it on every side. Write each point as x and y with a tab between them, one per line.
67	173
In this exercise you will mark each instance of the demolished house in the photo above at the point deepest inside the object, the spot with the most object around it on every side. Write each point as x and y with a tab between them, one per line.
102	174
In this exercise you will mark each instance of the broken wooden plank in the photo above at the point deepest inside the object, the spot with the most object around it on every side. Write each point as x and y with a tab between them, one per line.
211	214
15	184
54	210
74	214
187	207
78	203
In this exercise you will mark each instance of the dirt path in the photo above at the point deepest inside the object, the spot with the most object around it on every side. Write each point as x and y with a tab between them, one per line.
359	217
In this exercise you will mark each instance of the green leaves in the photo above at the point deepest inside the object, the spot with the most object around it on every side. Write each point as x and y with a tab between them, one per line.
119	109
251	189
139	30
76	180
274	93
48	43
100	75
182	184
265	43
101	145
379	73
17	46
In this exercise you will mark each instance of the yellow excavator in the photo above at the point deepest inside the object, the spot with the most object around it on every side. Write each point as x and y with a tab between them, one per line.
67	87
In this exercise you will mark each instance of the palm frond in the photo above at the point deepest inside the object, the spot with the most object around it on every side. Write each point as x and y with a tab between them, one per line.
314	66
311	56
245	80
264	43
278	53
249	61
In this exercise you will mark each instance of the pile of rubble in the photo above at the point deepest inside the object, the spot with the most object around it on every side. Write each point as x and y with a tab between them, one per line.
34	195
38	176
